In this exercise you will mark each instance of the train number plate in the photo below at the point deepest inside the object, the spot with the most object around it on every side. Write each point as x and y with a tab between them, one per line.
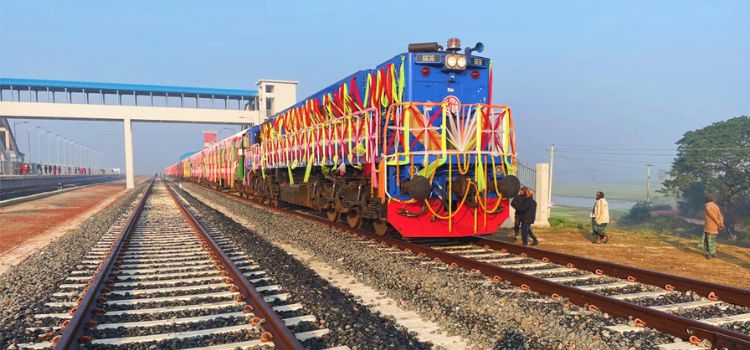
429	58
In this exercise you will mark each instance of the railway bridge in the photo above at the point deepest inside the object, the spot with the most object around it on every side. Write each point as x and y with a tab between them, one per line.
126	103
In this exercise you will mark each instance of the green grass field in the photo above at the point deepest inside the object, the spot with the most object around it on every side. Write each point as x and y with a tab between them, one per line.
575	217
663	228
626	192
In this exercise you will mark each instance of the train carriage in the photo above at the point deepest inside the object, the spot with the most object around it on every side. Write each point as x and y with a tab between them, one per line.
414	144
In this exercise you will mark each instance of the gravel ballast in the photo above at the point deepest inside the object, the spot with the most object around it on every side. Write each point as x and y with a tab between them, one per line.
350	322
490	315
25	287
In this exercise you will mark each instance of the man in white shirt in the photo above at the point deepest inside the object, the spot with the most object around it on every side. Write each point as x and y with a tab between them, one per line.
600	219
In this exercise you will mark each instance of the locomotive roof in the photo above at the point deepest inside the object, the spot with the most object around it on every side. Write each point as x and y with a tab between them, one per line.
345	79
330	88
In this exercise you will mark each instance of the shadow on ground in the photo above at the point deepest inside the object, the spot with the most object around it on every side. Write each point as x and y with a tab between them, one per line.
512	339
692	246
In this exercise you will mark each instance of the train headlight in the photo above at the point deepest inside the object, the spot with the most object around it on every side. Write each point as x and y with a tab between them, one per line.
462	62
451	61
455	61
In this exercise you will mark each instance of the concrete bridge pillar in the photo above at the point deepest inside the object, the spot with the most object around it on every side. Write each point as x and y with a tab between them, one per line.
129	177
542	196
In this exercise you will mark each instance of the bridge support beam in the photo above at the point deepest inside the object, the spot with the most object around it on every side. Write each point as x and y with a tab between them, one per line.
542	196
129	177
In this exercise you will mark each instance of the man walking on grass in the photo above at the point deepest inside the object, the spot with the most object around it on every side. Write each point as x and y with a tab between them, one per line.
714	224
600	219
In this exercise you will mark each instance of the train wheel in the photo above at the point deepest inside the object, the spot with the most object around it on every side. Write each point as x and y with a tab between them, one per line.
333	215
354	219
381	227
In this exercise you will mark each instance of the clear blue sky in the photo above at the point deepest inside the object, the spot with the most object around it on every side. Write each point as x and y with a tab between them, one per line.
579	74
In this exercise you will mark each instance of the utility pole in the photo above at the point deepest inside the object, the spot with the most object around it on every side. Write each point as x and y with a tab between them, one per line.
551	167
28	142
15	129
648	183
39	144
49	146
57	145
66	154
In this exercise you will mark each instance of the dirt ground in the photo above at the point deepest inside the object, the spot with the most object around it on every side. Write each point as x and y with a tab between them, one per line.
27	226
657	252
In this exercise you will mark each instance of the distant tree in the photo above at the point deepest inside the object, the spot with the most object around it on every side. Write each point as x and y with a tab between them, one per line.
716	160
638	213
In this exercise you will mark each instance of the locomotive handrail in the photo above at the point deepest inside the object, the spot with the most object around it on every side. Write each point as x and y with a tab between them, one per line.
395	113
338	143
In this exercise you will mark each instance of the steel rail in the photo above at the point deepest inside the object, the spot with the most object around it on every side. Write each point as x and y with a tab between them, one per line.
281	336
72	334
660	320
729	294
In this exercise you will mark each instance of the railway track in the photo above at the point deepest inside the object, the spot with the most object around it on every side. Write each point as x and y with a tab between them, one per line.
161	279
705	320
704	315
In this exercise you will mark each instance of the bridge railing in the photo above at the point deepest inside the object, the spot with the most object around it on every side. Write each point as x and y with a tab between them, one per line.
55	91
8	168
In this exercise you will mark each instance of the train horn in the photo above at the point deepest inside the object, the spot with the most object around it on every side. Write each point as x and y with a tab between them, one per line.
479	47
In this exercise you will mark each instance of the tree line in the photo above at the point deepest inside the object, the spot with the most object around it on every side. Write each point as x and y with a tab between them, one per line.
714	160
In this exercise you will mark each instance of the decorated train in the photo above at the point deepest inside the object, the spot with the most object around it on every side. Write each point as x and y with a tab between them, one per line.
414	144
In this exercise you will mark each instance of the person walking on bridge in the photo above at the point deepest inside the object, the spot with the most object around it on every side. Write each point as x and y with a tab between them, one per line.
714	224
600	219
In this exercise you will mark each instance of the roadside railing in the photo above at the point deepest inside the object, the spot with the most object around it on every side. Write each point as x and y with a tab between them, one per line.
42	169
526	174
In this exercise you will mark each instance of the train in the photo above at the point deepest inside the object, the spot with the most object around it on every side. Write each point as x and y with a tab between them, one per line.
414	145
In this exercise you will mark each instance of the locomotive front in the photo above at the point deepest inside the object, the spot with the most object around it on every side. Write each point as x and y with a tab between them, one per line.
449	152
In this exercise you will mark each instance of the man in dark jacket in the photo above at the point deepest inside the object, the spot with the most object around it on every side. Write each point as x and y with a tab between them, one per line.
516	218
526	211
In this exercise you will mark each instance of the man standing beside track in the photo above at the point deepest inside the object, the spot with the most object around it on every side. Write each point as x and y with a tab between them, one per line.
714	224
600	218
516	217
525	206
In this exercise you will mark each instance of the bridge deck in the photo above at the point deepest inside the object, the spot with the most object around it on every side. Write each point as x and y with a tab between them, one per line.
29	90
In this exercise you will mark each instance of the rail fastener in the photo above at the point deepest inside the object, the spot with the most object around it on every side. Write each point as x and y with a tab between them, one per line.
279	334
662	321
